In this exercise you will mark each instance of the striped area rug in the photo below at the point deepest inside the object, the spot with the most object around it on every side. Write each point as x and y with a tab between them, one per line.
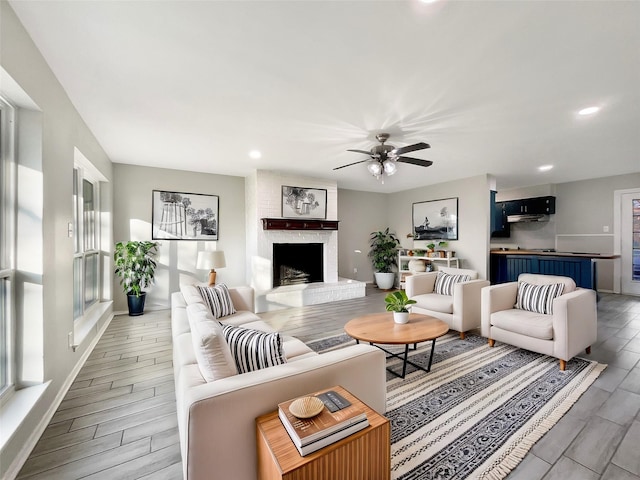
479	410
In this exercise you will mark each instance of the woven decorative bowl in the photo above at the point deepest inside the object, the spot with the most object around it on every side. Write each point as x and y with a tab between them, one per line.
306	407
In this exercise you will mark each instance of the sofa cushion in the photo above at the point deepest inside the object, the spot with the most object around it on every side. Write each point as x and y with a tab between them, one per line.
538	298
191	294
253	349
294	348
445	282
209	345
435	302
211	350
218	299
526	323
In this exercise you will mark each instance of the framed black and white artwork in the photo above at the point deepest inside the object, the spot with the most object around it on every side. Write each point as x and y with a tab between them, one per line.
184	216
301	202
436	219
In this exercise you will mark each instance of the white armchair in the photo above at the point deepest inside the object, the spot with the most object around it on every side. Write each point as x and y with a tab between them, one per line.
570	327
461	311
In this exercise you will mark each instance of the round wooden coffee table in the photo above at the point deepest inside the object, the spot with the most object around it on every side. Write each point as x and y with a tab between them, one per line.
379	328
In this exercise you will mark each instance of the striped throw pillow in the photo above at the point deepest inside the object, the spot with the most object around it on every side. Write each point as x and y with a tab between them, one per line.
538	298
253	349
218	299
445	282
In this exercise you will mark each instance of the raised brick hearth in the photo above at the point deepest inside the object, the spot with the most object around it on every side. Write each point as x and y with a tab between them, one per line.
264	200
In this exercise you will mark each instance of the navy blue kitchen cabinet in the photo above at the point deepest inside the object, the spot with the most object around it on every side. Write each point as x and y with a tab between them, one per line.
500	228
506	268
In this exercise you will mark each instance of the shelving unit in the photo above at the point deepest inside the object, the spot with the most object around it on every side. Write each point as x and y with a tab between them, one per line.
403	265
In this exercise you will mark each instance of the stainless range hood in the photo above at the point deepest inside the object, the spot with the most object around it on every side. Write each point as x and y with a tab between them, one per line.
527	217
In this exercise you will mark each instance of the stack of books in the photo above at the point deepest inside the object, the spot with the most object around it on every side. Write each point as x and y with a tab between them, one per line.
311	434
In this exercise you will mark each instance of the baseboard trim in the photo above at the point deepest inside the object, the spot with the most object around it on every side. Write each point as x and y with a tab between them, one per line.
14	469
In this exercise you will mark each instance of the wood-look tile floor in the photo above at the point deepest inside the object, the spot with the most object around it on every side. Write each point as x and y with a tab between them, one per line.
118	420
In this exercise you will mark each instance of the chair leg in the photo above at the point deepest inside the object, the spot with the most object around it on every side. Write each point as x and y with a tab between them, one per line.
588	350
491	342
462	335
563	365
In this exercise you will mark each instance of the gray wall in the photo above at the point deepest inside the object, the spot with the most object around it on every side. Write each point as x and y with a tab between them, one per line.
132	221
586	206
473	195
45	288
360	214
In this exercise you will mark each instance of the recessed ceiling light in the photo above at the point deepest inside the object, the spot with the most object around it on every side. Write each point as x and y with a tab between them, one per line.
255	154
545	168
588	111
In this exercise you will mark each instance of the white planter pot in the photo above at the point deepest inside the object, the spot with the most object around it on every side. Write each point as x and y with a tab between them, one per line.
385	281
401	317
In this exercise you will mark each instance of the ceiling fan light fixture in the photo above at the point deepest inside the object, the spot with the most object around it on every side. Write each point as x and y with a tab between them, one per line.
375	168
390	167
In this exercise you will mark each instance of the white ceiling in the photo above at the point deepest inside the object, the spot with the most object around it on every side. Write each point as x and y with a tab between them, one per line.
494	87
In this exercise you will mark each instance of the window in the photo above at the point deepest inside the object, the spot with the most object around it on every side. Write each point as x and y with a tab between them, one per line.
7	247
86	261
635	241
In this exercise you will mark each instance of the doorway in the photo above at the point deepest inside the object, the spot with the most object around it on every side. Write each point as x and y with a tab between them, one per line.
627	203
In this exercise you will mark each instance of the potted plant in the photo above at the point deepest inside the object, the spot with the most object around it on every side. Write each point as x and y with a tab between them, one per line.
397	302
384	256
135	265
442	248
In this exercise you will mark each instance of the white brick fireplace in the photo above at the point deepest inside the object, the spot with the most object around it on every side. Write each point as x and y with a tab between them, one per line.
264	200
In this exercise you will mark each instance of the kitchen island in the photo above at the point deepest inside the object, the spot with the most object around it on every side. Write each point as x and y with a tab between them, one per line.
506	265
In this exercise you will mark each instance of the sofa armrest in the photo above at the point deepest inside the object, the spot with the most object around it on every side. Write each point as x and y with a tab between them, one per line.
243	298
420	283
494	299
220	416
466	304
575	322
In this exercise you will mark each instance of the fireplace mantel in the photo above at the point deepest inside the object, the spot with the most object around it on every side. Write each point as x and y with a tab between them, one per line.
298	224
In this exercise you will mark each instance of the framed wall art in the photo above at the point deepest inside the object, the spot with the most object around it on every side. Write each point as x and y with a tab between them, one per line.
184	216
301	202
436	219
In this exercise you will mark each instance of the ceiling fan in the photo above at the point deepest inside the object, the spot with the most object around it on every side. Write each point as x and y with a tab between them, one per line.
384	157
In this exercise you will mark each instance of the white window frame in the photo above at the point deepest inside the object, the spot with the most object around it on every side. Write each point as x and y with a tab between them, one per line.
86	171
7	252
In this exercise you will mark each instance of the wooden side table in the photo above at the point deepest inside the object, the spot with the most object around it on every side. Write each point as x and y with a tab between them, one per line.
365	454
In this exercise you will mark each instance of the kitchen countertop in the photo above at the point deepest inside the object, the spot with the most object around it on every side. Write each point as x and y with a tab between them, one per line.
554	254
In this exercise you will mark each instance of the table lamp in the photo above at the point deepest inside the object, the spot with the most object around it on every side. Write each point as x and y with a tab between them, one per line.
211	260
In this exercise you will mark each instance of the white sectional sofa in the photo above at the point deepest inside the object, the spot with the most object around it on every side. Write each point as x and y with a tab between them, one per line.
216	419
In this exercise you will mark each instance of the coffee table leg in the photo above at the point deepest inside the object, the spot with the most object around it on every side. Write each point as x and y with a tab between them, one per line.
404	364
433	347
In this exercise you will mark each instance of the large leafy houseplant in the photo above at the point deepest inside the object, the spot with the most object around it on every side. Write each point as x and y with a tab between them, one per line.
136	267
383	251
384	255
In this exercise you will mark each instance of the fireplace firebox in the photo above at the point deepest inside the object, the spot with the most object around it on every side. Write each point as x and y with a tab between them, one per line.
296	263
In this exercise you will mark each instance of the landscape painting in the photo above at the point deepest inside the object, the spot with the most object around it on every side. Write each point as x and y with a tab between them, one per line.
436	219
184	216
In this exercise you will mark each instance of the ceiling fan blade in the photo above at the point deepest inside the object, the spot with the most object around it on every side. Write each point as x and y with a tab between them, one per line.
360	151
411	148
349	164
415	161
